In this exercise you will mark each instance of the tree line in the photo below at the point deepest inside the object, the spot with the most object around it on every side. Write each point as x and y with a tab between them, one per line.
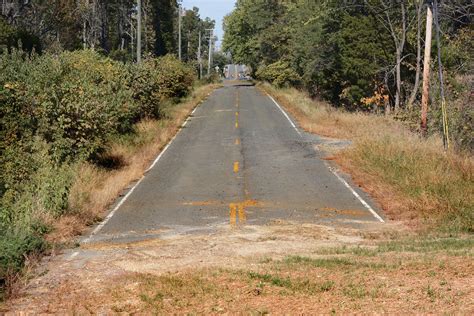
107	26
361	54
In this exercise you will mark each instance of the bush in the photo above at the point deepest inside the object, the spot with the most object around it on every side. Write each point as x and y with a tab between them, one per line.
74	101
58	111
156	80
279	74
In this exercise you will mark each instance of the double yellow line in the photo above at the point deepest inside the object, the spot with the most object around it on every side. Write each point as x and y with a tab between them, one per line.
237	211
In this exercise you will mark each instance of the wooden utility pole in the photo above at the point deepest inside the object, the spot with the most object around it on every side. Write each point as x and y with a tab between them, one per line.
211	34
139	31
179	31
199	56
426	70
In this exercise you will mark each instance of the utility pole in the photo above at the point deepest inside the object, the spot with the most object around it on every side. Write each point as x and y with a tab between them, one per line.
199	56
444	112
426	69
179	31
139	31
211	34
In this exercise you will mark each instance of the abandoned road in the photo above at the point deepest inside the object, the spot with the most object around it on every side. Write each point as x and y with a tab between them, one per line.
239	160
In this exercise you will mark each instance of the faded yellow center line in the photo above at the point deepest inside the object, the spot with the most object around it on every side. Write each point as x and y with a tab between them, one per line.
237	141
242	215
236	167
237	124
233	214
237	211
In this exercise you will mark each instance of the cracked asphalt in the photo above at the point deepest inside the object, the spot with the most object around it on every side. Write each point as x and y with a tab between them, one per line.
238	161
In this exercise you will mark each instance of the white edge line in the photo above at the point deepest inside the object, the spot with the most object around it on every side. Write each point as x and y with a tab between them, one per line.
112	213
286	115
364	203
367	206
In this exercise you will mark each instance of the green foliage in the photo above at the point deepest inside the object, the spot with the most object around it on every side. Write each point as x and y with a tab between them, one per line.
245	26
156	80
279	74
14	249
57	111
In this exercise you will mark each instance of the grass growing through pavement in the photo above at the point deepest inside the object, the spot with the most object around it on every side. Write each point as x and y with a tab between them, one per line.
412	177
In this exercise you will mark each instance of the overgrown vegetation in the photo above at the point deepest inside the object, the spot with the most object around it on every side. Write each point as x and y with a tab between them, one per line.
412	177
363	55
58	112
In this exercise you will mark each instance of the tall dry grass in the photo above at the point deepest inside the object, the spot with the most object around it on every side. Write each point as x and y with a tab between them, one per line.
96	187
412	177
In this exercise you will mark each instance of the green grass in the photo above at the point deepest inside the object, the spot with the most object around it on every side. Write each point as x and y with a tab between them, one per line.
318	262
450	245
178	289
334	263
294	285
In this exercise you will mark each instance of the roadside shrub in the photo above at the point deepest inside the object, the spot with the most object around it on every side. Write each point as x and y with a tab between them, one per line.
15	248
56	112
90	103
156	80
279	74
175	79
74	101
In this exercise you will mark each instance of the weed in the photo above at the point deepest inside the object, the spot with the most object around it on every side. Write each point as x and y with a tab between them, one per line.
355	291
431	292
449	245
293	285
318	262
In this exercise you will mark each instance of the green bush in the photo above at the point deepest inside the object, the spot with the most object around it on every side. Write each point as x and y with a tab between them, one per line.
156	80
14	249
74	101
279	74
59	110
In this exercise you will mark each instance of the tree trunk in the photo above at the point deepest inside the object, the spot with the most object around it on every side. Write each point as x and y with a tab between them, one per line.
399	80
387	100
84	34
418	57
399	53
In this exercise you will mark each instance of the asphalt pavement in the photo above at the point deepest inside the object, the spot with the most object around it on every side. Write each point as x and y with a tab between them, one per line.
238	161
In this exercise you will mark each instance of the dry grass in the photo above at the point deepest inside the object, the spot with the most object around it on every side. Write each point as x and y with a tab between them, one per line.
413	178
394	279
96	188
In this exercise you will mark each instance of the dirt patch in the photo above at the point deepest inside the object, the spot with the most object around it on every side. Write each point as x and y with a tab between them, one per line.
280	268
230	248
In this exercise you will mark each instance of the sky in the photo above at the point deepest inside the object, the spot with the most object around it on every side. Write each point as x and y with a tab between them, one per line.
215	9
